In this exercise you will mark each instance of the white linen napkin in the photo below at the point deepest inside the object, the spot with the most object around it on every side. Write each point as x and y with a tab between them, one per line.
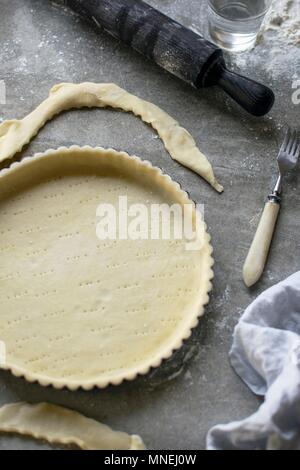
266	355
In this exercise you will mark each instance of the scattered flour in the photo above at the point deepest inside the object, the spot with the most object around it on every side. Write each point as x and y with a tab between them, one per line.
279	41
284	18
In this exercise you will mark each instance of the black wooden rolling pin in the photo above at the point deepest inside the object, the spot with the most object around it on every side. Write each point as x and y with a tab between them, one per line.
174	47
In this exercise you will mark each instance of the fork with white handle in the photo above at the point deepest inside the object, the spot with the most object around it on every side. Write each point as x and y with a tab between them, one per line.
259	250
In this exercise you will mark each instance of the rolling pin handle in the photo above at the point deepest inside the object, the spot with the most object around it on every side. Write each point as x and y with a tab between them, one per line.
254	97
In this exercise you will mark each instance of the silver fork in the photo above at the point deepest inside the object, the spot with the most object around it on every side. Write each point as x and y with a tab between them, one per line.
255	262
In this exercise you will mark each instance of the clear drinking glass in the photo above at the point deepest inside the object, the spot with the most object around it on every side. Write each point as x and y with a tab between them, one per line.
234	25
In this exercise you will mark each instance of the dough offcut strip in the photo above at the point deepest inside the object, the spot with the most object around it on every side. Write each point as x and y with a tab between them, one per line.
56	424
14	134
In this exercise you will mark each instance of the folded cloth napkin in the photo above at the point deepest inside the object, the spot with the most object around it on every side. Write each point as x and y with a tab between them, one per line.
266	355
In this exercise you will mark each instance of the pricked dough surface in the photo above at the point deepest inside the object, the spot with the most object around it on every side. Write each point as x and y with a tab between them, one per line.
56	424
79	311
14	134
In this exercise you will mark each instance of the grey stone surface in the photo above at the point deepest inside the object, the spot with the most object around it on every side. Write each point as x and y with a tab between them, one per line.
42	44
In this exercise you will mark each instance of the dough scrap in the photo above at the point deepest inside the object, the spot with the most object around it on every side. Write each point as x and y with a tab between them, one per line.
14	134
59	425
78	311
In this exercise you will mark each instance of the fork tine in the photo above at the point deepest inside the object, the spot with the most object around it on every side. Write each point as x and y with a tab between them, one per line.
297	151
290	142
285	140
295	144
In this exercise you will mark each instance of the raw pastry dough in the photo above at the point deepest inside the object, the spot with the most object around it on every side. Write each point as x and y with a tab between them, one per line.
14	134
79	311
63	426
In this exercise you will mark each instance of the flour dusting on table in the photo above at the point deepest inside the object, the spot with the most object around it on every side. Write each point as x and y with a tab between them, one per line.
284	18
